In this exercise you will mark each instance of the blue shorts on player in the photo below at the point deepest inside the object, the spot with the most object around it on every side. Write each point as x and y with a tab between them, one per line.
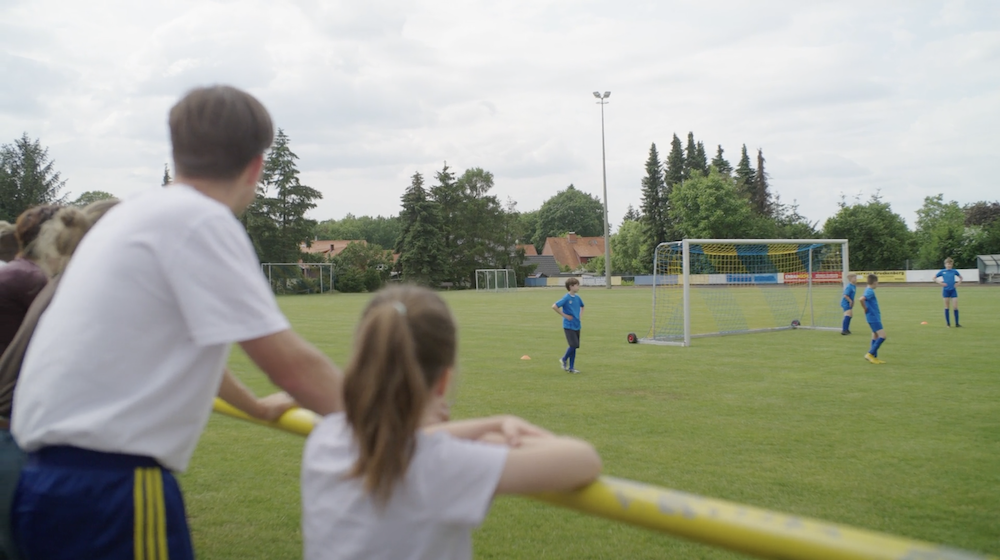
949	292
875	326
75	503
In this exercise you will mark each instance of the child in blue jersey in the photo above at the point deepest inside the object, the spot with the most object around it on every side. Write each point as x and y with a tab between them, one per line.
948	277
570	308
874	317
847	302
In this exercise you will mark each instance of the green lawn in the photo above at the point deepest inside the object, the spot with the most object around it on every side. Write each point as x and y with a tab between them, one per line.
794	421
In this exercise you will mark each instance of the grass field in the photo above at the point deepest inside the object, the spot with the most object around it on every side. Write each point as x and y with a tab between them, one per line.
794	421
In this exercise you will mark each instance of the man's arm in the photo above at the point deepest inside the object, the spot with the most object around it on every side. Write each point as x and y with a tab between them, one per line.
300	369
268	408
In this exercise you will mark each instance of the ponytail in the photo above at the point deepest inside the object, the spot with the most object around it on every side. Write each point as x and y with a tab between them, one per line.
404	343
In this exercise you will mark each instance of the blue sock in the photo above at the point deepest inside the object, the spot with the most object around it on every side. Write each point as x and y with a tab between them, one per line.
947	319
956	317
569	350
572	358
871	349
847	323
875	346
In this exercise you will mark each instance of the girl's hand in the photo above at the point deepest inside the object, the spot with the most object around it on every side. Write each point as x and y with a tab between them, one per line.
513	429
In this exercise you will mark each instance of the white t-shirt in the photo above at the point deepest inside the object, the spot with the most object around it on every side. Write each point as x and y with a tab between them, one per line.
445	493
130	352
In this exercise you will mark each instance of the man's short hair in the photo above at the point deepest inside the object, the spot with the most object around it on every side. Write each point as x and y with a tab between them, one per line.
571	282
216	131
872	279
949	261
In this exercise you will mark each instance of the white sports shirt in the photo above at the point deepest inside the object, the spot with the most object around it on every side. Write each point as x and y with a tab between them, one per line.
130	352
445	493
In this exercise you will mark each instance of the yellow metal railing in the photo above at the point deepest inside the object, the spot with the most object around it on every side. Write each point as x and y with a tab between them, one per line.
747	529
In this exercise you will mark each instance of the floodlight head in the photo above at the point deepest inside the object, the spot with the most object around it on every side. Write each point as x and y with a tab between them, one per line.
597	94
607	94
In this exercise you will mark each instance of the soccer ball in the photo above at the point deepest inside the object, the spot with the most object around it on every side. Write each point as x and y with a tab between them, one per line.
632	339
795	323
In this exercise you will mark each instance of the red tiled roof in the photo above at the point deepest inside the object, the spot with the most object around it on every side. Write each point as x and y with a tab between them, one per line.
573	250
529	250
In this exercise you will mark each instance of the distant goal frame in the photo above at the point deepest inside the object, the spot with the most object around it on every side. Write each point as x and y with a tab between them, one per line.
325	279
488	280
685	279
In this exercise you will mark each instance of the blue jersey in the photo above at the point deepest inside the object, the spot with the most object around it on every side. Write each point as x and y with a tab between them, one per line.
850	291
948	275
872	313
571	305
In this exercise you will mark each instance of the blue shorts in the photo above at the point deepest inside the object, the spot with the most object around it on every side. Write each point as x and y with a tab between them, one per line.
844	305
949	292
875	326
76	503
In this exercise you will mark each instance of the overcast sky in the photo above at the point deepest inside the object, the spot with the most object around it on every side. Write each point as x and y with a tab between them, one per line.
843	97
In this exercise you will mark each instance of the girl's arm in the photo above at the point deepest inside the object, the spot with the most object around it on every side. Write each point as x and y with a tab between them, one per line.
551	464
500	429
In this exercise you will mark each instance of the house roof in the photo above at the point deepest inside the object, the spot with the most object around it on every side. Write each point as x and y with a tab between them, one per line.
329	247
569	250
529	250
547	265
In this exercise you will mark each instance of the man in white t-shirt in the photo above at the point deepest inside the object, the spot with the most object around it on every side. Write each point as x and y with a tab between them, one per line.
119	378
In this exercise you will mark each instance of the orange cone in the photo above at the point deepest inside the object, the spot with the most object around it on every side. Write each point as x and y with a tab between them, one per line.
525	357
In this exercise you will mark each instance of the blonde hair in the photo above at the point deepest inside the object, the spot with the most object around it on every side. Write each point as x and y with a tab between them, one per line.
949	261
60	236
405	342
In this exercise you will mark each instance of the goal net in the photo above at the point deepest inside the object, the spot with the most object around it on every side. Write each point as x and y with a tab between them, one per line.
713	287
299	278
495	280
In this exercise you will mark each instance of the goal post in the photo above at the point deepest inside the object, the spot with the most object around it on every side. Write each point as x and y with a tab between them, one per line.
495	280
298	278
715	287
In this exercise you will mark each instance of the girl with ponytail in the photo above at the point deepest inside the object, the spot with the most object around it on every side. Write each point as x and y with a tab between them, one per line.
389	477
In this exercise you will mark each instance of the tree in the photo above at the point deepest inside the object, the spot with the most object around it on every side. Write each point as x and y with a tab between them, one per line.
940	233
631	215
167	179
27	178
744	173
981	213
878	237
720	163
629	250
91	196
710	208
760	194
690	156
699	166
276	219
362	267
420	247
378	230
570	210
654	203
674	172
789	224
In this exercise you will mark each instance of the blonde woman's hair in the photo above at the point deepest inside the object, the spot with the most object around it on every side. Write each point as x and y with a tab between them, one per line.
60	236
404	344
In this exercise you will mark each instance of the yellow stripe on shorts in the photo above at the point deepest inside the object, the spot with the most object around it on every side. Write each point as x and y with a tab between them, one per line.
150	538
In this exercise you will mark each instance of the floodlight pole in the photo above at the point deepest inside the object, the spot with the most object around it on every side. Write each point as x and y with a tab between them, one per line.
604	168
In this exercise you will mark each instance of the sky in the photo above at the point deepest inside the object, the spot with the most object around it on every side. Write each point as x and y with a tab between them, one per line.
847	99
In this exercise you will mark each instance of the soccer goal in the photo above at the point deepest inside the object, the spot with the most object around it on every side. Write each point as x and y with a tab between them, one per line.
714	287
495	280
299	278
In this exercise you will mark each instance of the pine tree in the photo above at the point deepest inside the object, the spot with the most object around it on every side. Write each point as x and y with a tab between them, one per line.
699	166
167	179
760	195
285	200
27	178
674	172
631	214
690	156
421	258
744	174
654	203
448	195
720	163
